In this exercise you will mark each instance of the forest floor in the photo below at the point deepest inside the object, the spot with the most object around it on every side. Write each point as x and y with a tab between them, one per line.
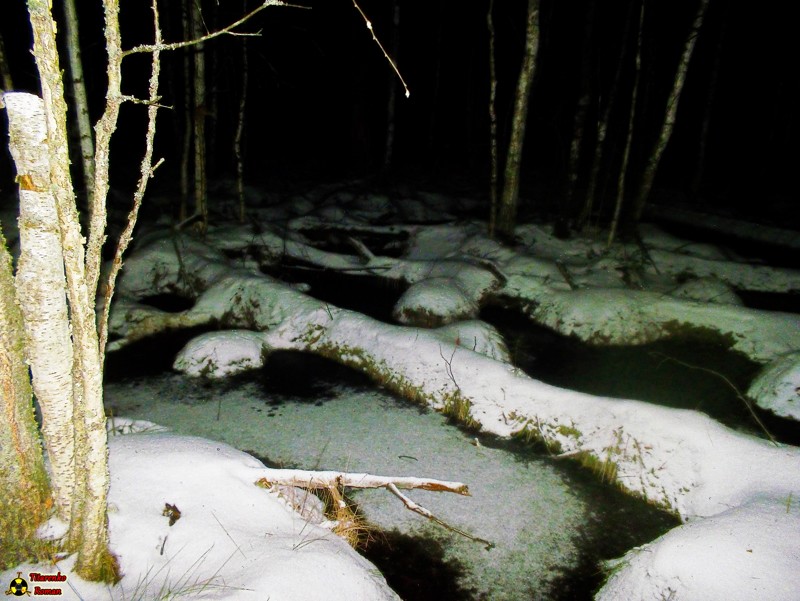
735	491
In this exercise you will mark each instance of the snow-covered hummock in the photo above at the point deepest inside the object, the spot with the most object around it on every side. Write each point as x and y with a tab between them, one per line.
777	387
220	354
747	553
233	540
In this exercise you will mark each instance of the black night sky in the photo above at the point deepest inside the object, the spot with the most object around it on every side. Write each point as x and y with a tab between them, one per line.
316	103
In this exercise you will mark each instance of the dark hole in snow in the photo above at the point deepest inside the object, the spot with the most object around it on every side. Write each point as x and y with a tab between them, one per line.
387	244
771	301
642	372
306	377
171	303
367	294
149	356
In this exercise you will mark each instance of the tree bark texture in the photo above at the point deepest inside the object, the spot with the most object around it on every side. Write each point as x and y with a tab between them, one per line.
41	287
507	213
79	93
88	531
24	494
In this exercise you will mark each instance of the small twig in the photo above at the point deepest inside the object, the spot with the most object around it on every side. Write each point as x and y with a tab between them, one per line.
378	42
411	505
449	366
732	386
228	534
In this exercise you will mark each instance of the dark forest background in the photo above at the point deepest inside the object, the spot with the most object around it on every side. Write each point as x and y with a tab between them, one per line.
317	97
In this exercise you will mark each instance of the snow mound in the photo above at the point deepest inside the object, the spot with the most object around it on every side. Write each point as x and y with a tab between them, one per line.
219	354
231	540
742	554
777	386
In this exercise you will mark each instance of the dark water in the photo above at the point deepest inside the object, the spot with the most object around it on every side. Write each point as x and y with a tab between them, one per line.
416	566
664	373
700	374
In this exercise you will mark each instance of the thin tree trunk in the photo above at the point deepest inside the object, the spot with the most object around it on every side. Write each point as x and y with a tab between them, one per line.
581	111
88	530
237	140
79	93
629	135
711	90
200	111
24	491
391	103
492	122
188	103
602	127
669	117
5	71
41	289
507	214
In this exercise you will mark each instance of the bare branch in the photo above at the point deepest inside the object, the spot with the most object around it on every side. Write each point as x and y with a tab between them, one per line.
378	42
416	508
146	172
161	47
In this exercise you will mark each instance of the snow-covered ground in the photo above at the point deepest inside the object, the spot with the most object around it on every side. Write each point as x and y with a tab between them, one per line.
737	494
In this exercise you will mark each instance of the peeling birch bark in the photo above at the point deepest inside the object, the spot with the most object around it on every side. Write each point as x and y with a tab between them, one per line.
41	290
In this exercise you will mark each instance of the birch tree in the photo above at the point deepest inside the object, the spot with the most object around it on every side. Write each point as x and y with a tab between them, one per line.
24	491
507	208
49	316
670	113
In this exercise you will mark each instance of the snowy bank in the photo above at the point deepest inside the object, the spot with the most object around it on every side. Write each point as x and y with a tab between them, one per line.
231	540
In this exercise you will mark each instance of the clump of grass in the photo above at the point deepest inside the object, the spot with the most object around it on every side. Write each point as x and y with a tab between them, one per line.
350	524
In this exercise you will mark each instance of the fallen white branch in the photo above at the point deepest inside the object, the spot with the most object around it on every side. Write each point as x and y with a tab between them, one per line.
338	480
314	479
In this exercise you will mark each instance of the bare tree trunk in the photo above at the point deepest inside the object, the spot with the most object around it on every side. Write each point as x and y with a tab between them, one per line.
391	103
579	122
507	214
186	28
237	140
602	127
5	71
711	90
41	289
629	135
492	123
79	93
88	531
200	111
23	481
671	111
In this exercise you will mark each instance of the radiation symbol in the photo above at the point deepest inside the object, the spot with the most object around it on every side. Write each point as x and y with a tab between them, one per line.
18	586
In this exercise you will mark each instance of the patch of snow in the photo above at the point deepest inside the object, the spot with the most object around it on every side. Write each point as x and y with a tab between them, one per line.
232	541
223	353
777	387
707	290
434	301
745	553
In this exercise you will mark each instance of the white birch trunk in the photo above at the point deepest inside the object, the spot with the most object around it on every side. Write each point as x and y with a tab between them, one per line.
88	532
41	291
